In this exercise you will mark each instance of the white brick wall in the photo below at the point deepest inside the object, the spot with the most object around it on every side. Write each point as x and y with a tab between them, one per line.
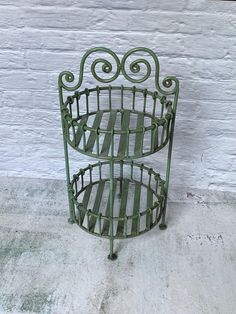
195	40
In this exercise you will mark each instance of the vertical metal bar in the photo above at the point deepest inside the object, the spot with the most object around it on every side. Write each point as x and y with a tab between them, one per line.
100	170
163	132
70	109
87	101
121	175
85	201
112	143
132	170
67	166
82	179
75	185
77	97
97	141
154	104
138	223
88	212
90	173
109	89
154	137
157	177
98	97
138	146
163	101
126	226
127	145
149	213
73	131
145	100
122	97
141	173
133	91
84	139
100	224
80	130
79	214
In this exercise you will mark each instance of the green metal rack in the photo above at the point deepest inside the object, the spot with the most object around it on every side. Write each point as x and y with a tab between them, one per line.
117	124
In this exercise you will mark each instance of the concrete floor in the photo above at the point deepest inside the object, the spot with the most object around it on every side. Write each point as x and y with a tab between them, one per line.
49	266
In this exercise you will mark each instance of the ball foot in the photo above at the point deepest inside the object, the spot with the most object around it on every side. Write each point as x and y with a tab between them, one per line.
162	226
112	257
70	221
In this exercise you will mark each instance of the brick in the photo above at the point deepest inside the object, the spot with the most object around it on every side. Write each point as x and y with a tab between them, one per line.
107	4
12	60
209	90
211	6
167	5
30	99
196	109
19	80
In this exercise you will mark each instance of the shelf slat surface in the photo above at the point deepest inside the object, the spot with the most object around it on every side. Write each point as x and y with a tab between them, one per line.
106	223
136	207
92	136
79	133
108	137
86	197
123	203
96	206
125	118
138	147
149	218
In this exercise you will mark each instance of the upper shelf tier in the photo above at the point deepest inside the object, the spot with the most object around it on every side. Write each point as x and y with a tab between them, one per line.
117	122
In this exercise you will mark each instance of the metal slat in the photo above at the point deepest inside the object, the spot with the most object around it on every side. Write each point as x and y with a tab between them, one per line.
138	148
79	132
149	219
96	205
136	207
125	117
123	203
85	201
108	137
92	136
155	135
106	223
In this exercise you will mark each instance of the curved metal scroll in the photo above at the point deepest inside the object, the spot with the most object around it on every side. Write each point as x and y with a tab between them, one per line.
68	77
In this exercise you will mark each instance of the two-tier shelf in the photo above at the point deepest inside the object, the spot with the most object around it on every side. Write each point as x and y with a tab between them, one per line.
118	198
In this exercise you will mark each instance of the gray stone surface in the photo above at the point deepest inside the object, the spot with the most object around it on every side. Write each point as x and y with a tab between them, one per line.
48	266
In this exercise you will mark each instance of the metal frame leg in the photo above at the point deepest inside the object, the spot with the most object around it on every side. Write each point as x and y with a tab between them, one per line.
163	224
71	205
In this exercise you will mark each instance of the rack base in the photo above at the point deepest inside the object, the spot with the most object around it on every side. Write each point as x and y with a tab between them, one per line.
132	205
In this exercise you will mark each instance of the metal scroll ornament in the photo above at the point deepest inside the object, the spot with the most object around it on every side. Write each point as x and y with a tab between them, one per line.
170	82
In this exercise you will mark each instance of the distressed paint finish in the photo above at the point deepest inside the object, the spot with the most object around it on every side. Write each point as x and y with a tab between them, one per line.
159	106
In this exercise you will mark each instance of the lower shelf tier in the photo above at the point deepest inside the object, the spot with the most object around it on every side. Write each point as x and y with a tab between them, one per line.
126	207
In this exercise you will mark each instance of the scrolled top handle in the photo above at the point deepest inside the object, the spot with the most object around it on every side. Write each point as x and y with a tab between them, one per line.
66	77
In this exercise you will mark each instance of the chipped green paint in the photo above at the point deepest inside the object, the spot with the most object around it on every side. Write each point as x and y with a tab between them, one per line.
114	144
